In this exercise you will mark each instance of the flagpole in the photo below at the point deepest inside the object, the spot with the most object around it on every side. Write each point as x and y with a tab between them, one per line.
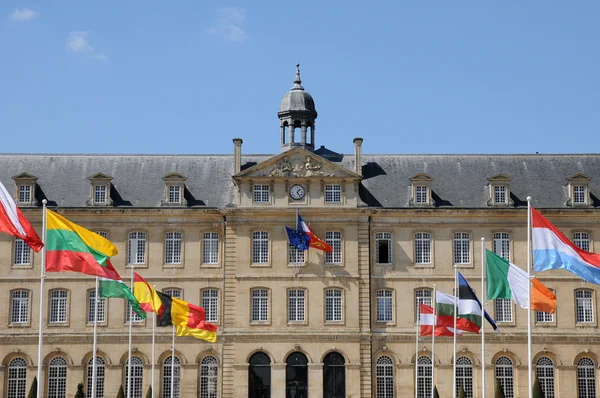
433	342
454	345
128	370
93	395
417	355
42	277
482	318
173	364
153	339
530	359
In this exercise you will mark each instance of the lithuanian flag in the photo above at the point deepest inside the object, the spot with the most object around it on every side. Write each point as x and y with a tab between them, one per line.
146	295
70	247
189	319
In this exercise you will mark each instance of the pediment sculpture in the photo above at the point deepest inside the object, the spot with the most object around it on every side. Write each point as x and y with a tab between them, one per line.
296	167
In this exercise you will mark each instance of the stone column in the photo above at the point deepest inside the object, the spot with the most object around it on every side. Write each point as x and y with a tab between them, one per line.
278	380
291	133
315	379
303	133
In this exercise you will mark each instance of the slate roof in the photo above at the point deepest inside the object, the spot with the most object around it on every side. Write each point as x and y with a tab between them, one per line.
459	181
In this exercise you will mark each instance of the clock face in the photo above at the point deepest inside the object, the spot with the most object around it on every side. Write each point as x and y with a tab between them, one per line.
297	192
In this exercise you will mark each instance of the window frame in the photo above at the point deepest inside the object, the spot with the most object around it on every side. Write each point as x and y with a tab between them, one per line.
330	259
259	321
177	382
211	377
553	316
217	299
594	321
89	374
382	373
342	319
508	303
137	264
589	239
384	236
24	247
263	200
59	378
589	377
66	323
470	389
392	302
331	190
90	308
549	373
181	262
422	264
11	322
469	247
206	247
425	378
417	301
19	377
504	377
135	376
254	240
304	298
510	244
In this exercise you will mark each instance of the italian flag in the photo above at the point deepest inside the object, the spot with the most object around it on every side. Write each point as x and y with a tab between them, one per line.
506	280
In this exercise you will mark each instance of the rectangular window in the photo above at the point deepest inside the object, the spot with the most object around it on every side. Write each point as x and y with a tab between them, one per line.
210	303
132	315
137	248
296	305
333	193
462	243
383	248
333	305
262	193
582	240
585	306
173	248
260	305
334	239
544	317
421	194
100	194
174	194
423	248
173	293
503	310
210	248
502	245
499	194
103	234
579	194
24	193
422	296
295	256
20	307
91	307
58	306
260	247
384	305
22	254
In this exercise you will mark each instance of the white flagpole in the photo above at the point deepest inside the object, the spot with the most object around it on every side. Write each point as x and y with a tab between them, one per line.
128	370
482	318
173	365
153	338
530	359
42	277
455	314
417	354
433	343
93	395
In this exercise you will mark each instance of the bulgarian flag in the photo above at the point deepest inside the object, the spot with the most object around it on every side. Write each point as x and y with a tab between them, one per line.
506	280
14	223
314	241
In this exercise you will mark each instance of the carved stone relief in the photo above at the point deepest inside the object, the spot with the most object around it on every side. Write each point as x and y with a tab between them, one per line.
298	167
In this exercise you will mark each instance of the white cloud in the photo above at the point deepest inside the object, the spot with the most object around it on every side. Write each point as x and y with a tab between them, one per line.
23	15
230	24
78	43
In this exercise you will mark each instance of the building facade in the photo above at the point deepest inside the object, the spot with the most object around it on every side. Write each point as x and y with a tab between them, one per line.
209	229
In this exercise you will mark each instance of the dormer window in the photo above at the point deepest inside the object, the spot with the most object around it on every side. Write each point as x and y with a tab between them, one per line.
421	190
578	187
25	189
499	190
174	190
100	190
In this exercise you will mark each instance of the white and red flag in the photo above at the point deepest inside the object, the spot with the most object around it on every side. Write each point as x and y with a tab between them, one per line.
14	223
444	324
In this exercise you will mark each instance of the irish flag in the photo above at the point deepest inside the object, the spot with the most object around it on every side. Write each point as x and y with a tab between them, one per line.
14	223
506	280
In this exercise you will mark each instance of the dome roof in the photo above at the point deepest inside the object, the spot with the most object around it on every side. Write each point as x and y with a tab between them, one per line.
297	100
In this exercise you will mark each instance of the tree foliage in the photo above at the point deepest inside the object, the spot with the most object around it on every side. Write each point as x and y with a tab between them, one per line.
498	391
461	392
537	389
33	389
79	393
435	392
149	393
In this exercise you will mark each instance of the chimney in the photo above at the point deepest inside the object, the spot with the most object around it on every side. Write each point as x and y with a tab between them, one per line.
237	155
358	155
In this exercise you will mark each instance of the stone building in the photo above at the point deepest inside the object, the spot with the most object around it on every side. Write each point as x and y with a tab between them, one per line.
209	228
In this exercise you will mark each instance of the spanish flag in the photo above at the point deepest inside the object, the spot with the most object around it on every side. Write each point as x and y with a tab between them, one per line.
146	295
189	319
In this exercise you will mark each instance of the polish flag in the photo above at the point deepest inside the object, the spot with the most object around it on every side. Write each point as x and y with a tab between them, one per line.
14	223
315	241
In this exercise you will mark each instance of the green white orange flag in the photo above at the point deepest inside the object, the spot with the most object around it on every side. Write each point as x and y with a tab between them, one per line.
506	280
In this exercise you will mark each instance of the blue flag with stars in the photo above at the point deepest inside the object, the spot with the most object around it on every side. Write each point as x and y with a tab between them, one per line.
298	239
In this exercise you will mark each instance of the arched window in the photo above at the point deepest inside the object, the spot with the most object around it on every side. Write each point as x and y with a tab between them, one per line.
464	376
137	377
259	376
17	378
334	376
296	376
99	377
586	378
544	368
384	371
424	376
504	374
208	377
166	377
57	378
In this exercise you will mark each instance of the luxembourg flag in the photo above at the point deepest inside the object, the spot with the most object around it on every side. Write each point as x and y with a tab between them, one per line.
553	250
14	223
315	241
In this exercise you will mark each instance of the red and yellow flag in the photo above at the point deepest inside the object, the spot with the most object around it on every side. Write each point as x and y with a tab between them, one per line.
146	295
191	321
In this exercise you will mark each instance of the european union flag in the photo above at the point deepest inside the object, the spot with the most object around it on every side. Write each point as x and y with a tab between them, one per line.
298	239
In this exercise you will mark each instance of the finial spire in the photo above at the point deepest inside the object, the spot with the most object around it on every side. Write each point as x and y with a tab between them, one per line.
297	80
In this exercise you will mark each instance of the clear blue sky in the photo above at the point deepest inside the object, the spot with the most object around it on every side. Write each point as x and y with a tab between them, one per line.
132	76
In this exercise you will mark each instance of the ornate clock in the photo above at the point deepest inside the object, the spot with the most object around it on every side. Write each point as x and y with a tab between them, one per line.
297	192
